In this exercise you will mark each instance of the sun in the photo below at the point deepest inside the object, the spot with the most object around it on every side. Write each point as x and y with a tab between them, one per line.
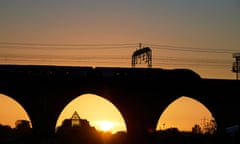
105	125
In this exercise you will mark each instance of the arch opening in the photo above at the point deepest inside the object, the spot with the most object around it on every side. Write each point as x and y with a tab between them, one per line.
15	124
186	114
186	120
88	114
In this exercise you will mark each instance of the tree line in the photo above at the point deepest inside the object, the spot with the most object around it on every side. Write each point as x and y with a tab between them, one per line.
86	134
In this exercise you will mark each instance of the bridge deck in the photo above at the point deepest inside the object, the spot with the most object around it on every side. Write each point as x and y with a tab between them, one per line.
93	71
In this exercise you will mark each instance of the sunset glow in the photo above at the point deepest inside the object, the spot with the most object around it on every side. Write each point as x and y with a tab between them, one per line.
103	116
105	125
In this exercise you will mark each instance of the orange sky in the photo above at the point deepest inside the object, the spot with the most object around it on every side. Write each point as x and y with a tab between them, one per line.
103	110
197	35
10	111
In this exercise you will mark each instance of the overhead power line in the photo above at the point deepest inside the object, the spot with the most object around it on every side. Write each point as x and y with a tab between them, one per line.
71	46
35	53
64	44
190	49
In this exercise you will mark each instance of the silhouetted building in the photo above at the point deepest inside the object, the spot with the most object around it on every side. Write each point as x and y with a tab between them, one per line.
22	124
76	130
196	129
76	121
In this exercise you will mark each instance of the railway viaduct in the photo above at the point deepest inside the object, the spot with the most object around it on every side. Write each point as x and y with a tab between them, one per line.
140	94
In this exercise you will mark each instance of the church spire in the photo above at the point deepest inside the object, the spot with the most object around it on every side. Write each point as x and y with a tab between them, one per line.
75	119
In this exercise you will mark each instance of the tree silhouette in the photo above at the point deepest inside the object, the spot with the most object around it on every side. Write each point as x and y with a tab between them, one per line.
210	127
22	133
6	134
